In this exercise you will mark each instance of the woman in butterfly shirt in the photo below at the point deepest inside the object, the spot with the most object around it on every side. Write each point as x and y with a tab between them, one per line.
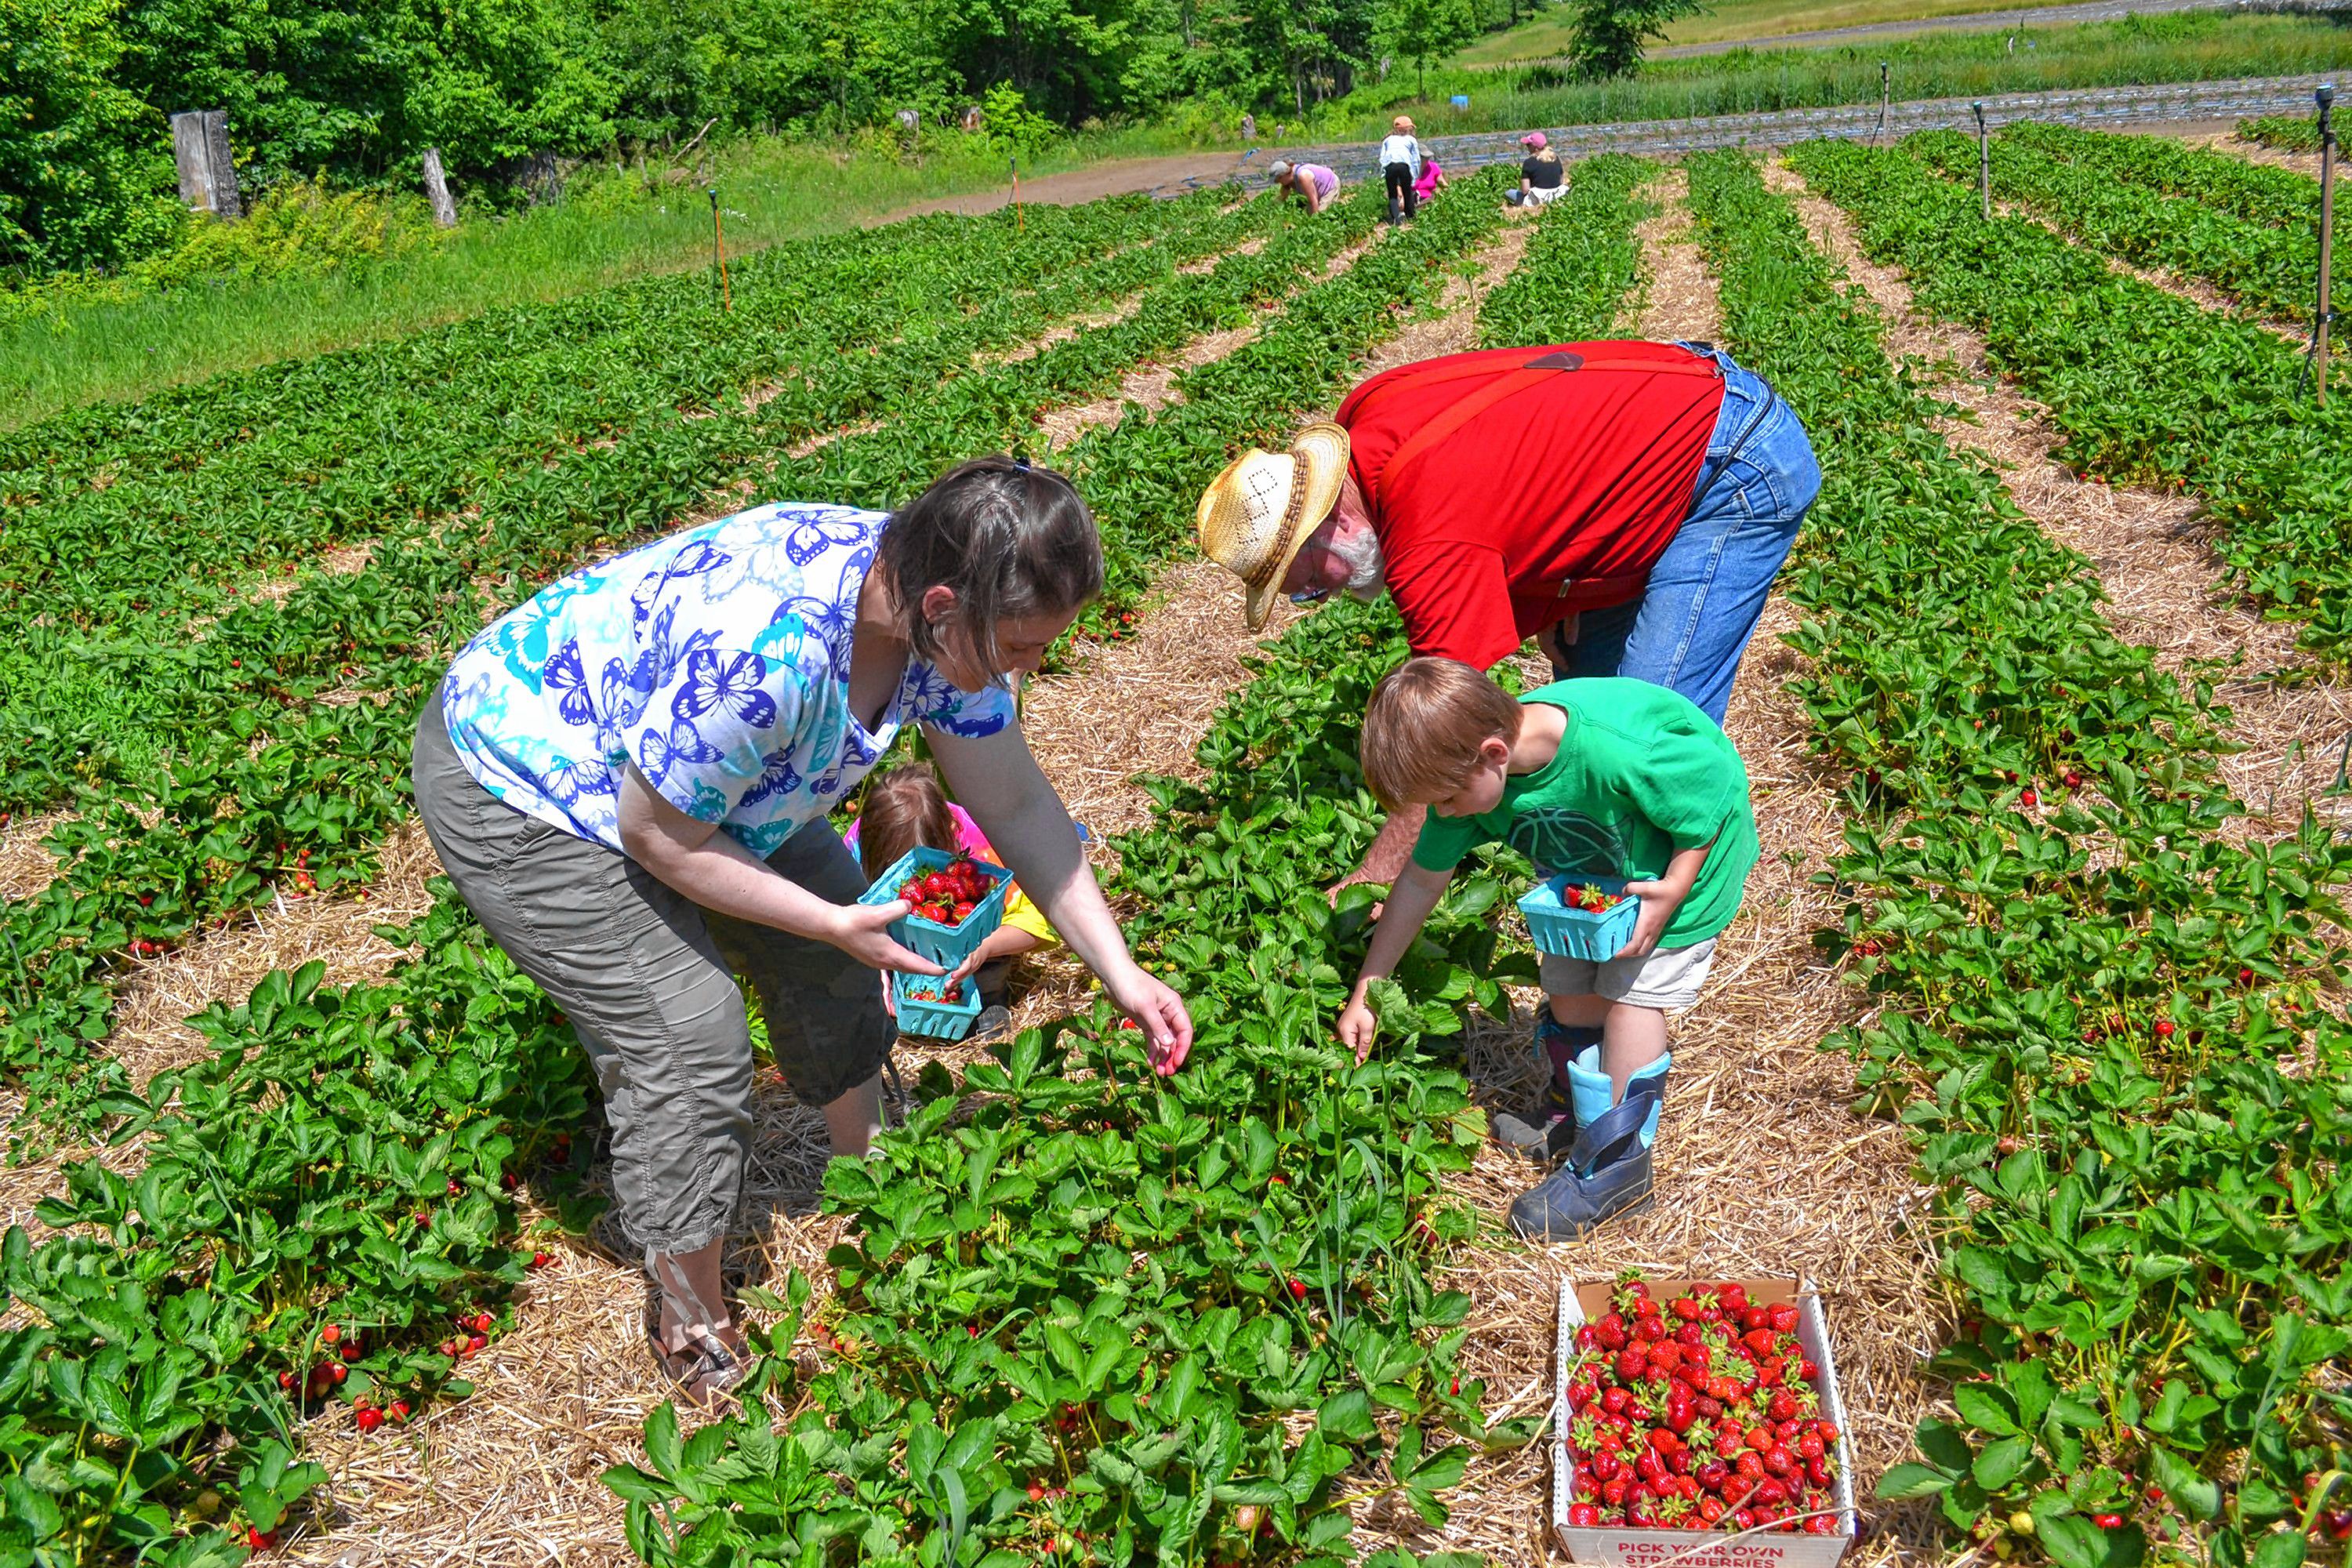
628	777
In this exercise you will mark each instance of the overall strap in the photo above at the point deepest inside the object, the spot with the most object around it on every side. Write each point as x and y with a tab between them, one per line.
1542	368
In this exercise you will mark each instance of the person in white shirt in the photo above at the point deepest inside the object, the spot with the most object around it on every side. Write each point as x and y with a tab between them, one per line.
1399	161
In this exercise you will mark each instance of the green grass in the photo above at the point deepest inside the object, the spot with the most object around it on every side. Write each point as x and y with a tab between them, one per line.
1546	35
83	349
2135	51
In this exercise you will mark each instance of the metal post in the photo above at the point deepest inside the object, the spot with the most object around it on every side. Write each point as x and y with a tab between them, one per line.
2326	95
718	253
1886	101
1984	161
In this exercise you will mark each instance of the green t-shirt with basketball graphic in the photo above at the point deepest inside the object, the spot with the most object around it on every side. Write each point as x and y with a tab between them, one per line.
1641	773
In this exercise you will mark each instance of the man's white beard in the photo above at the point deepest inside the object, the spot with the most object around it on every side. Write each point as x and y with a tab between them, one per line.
1360	552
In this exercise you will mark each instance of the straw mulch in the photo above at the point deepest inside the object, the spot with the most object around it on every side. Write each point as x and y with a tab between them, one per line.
2153	549
1678	298
26	866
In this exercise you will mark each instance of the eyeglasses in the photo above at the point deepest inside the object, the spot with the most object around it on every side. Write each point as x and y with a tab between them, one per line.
1310	596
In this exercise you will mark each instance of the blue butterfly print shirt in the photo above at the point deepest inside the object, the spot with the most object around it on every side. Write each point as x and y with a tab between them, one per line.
716	659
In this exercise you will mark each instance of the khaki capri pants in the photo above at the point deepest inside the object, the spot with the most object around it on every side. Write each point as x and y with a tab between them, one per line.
647	979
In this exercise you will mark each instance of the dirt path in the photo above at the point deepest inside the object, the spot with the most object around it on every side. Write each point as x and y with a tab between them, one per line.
2153	550
1119	178
1839	1191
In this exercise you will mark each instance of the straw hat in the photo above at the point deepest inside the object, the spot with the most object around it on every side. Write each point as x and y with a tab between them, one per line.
1402	122
1255	516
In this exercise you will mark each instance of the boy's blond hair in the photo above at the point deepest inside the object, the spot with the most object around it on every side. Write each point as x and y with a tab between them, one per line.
1427	720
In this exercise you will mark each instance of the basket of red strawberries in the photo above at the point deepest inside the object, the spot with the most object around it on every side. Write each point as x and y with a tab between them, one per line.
1692	1413
1582	917
929	1006
957	902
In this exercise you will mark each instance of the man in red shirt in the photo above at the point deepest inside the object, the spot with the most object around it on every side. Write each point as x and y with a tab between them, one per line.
1626	504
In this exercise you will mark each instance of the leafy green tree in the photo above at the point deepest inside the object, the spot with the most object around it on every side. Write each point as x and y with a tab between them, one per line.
1417	29
86	176
1610	34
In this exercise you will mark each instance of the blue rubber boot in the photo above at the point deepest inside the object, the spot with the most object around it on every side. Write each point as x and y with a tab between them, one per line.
1545	1135
1607	1171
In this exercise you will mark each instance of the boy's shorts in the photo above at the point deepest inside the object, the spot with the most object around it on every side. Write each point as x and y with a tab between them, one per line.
1669	977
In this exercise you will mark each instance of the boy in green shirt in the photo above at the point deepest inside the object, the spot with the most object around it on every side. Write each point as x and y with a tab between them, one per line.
1611	777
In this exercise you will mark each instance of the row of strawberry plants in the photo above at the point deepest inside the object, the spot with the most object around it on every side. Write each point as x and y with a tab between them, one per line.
2261	191
466	1064
2145	386
2094	1012
115	595
2289	132
269	775
1582	241
2267	269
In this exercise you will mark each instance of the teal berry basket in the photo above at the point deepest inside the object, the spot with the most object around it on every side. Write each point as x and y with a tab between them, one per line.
942	945
935	1020
1578	934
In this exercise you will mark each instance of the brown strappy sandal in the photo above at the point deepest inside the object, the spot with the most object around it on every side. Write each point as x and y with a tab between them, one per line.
706	1371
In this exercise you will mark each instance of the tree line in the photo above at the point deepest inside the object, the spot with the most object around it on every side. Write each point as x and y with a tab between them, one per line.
356	90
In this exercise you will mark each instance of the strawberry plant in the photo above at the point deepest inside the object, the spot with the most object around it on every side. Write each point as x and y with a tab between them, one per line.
2269	264
2095	1017
2146	387
1582	247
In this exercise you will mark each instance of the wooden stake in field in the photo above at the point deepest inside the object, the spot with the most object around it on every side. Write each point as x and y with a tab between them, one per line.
1885	103
2326	95
718	253
1984	161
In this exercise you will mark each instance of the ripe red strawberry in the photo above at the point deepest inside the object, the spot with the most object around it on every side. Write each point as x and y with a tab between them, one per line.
1782	1406
2027	798
1822	1525
330	1334
1614	1492
398	1411
1584	1515
1649	1328
1686	1308
1633	1363
1818	1471
259	1540
1581	1393
1298	1289
1828	1430
1759	1340
369	1417
1614	1400
1732	1298
1810	1445
1783	1316
1691	1334
1710	1509
542	1259
2164	1028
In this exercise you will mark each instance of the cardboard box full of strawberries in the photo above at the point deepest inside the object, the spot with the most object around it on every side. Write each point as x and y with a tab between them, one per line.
1699	1421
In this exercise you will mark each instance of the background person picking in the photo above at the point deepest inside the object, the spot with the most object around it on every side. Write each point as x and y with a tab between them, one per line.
1604	776
1400	159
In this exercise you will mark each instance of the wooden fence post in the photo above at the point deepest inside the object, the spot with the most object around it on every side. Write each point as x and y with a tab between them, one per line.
207	169
436	190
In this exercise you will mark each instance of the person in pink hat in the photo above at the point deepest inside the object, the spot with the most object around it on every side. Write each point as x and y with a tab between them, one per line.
1542	177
